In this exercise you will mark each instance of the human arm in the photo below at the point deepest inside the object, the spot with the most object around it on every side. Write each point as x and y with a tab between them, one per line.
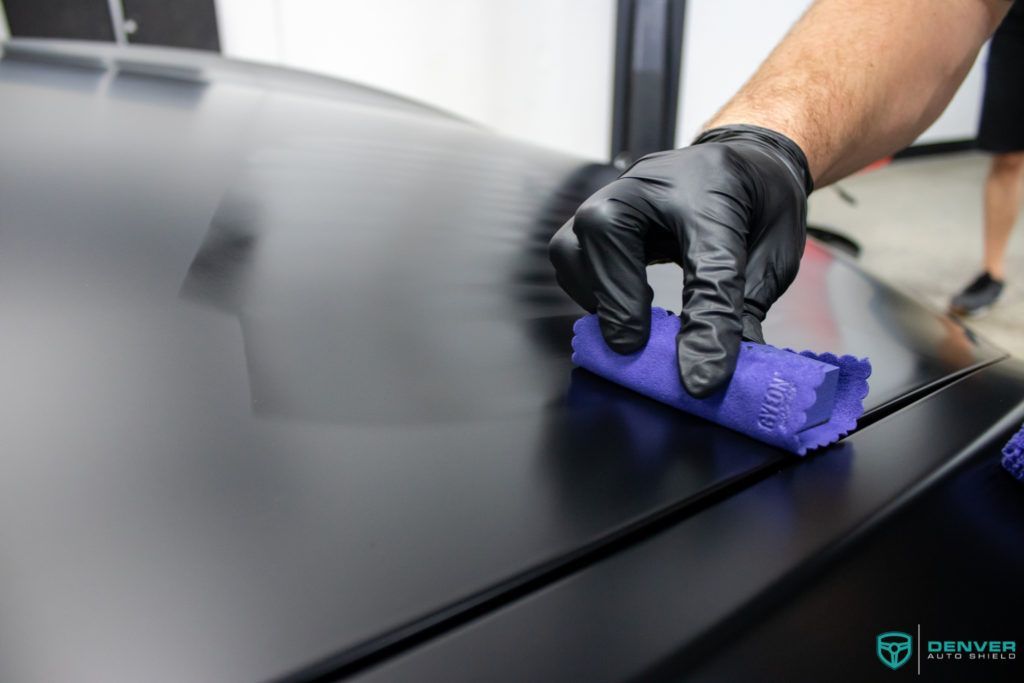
852	81
855	80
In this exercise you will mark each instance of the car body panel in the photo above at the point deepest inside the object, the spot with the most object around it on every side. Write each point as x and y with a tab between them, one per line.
949	564
287	372
672	606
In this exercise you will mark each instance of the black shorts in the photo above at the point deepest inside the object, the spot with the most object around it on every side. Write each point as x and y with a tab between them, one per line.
1002	108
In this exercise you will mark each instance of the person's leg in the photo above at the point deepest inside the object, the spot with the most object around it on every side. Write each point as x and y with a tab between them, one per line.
1003	190
1003	193
999	128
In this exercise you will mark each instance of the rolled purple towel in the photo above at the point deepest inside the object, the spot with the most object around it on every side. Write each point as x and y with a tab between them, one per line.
796	401
1013	455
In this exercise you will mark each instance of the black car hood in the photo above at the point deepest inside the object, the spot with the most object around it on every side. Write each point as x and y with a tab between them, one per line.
285	369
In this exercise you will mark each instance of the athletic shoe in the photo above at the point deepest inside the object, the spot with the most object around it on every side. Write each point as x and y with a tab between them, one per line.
977	297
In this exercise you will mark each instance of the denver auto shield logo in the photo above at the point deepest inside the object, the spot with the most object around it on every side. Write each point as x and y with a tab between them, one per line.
894	648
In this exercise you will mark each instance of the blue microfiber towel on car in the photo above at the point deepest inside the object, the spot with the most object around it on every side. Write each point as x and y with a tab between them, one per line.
796	401
1013	455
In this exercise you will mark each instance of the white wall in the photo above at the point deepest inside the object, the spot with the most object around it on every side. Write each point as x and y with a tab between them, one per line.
727	39
960	120
540	70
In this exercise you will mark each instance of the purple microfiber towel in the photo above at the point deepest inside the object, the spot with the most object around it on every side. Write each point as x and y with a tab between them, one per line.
1013	455
768	398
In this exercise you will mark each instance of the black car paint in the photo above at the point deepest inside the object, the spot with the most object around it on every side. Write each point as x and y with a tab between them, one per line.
287	383
687	602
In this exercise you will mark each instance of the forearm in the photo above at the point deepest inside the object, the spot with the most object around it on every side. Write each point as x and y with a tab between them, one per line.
855	80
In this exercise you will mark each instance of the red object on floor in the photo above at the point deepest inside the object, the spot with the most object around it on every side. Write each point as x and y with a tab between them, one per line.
874	166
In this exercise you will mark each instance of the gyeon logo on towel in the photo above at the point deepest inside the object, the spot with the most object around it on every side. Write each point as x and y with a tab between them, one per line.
775	405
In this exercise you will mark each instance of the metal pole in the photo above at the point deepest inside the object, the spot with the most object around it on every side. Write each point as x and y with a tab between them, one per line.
117	20
648	55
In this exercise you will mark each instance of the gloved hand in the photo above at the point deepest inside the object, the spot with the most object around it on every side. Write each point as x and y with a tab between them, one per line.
730	209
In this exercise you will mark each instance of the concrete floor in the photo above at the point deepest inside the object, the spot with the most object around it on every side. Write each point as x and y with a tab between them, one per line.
919	224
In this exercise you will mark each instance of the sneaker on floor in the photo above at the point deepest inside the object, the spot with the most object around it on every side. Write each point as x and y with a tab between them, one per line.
978	296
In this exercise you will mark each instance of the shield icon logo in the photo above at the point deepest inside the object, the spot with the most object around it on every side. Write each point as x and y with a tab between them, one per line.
894	648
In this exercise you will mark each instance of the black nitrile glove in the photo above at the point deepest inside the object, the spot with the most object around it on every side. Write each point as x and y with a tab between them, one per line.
730	209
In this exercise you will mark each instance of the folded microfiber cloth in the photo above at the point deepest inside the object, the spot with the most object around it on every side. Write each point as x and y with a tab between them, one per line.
1013	455
796	401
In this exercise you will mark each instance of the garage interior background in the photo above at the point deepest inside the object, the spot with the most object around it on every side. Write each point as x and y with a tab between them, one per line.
539	70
